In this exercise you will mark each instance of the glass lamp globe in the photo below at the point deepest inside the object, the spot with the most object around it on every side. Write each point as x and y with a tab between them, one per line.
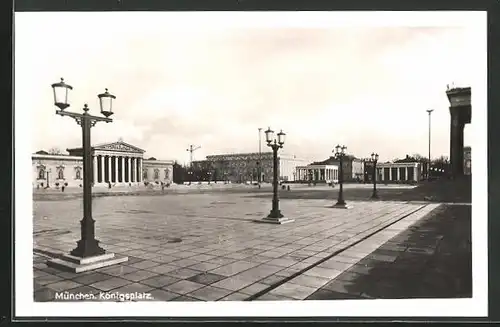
61	91
269	135
281	137
106	102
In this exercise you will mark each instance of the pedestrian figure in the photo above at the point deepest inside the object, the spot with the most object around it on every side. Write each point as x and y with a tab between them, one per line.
288	188
62	188
109	184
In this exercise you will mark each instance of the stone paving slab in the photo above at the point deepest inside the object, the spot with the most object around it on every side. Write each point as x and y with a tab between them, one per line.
216	234
309	281
432	259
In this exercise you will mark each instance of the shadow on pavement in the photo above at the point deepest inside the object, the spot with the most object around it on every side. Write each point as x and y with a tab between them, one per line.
431	259
455	191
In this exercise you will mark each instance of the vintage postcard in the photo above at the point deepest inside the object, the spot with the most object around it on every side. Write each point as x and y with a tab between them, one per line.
250	164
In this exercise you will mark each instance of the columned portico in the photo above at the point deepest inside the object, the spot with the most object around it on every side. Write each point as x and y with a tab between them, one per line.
117	163
311	173
407	171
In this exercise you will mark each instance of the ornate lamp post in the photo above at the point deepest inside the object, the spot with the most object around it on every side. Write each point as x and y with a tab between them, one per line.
340	152
275	216
374	159
88	254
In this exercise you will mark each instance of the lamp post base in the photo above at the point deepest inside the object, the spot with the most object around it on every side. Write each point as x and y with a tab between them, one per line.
87	248
277	221
341	205
76	264
374	196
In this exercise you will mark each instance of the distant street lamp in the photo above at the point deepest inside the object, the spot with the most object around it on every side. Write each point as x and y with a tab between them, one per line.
275	216
48	171
259	163
209	177
429	111
374	159
88	254
340	153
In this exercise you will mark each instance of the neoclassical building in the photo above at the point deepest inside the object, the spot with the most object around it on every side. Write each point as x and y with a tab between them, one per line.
317	173
118	163
242	167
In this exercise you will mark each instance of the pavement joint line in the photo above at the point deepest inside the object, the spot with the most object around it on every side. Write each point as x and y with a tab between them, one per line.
302	271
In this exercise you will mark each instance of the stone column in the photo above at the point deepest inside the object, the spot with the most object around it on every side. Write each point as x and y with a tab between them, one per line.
125	169
102	169
398	173
129	166
116	169
110	171
406	174
122	173
456	143
132	169
390	173
94	160
140	170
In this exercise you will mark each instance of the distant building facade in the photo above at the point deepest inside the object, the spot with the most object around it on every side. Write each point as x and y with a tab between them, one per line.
243	167
353	168
317	173
116	163
399	172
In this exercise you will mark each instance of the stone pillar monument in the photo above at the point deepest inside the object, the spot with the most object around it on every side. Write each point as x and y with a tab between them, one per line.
460	114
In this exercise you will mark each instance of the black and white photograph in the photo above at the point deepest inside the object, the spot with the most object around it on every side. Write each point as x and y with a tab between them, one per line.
251	164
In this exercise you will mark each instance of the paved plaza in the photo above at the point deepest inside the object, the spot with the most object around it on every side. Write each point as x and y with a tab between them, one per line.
207	247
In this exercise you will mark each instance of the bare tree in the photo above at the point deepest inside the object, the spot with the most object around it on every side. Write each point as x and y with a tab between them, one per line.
55	150
420	158
441	159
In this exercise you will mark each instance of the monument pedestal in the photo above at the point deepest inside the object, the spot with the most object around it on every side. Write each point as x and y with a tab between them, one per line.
460	115
75	264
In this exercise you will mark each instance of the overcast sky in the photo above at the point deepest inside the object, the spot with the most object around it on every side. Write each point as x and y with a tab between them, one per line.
205	82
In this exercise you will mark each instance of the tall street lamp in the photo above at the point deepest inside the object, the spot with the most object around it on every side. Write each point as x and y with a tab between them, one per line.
340	153
275	216
259	164
88	255
429	111
374	159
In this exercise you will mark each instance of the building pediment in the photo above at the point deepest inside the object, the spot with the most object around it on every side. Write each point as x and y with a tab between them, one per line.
119	146
114	146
